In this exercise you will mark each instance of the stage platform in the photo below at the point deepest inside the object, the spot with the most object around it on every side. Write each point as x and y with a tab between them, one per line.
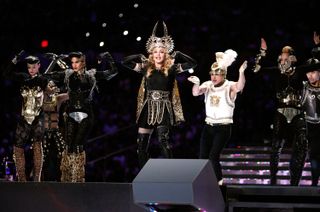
272	198
117	197
245	188
66	197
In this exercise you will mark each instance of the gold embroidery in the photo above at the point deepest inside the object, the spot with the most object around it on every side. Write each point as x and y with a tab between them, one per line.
214	101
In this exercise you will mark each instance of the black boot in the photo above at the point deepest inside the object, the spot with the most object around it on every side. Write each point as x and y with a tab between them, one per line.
315	171
163	136
143	146
299	153
276	150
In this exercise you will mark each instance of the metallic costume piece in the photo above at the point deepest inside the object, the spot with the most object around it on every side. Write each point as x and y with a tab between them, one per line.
157	101
73	167
176	112
78	116
176	104
19	158
20	162
289	113
53	136
32	103
289	124
288	68
258	58
311	102
166	41
37	161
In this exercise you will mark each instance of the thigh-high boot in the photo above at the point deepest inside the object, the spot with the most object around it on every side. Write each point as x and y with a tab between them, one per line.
164	137
143	140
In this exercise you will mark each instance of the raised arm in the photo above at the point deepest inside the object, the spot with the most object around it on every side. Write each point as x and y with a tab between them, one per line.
239	85
106	73
134	62
262	53
184	61
10	72
316	49
197	90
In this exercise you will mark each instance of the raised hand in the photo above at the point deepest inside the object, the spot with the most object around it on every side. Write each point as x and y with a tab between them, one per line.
243	67
194	80
316	38
263	44
17	57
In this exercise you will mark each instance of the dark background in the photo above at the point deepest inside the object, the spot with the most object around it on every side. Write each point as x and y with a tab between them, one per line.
198	28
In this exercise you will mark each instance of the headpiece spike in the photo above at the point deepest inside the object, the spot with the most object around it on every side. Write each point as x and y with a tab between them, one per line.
155	29
165	29
164	42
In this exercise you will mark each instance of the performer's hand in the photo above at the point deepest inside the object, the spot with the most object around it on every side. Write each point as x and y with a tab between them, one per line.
263	44
105	55
243	66
316	38
143	58
194	80
17	57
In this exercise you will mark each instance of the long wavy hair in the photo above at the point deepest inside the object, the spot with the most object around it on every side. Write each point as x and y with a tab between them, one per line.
167	63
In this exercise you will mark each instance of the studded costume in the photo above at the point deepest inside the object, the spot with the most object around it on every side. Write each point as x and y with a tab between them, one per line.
53	143
158	102
79	115
30	123
288	123
311	105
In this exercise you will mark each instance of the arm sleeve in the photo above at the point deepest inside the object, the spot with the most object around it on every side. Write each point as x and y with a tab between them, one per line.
184	61
131	61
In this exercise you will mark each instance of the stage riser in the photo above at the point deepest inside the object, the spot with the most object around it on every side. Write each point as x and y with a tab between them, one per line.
66	197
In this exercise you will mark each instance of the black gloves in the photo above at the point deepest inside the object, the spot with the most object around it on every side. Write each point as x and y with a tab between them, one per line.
106	57
18	57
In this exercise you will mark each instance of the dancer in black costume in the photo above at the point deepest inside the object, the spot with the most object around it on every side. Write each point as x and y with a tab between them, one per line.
80	84
288	124
158	102
30	123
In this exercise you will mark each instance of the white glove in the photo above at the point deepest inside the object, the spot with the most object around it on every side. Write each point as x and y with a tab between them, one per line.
194	79
243	67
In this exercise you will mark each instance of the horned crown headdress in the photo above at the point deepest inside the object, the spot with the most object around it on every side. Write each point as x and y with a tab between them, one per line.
165	41
223	60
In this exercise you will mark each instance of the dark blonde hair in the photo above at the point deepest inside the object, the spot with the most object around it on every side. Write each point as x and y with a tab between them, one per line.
288	49
168	62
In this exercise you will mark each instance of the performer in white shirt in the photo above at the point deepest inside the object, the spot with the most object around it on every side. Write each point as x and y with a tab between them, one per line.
220	95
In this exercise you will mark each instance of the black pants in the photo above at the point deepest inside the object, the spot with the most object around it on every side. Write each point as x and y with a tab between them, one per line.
53	146
77	133
213	140
295	133
313	135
